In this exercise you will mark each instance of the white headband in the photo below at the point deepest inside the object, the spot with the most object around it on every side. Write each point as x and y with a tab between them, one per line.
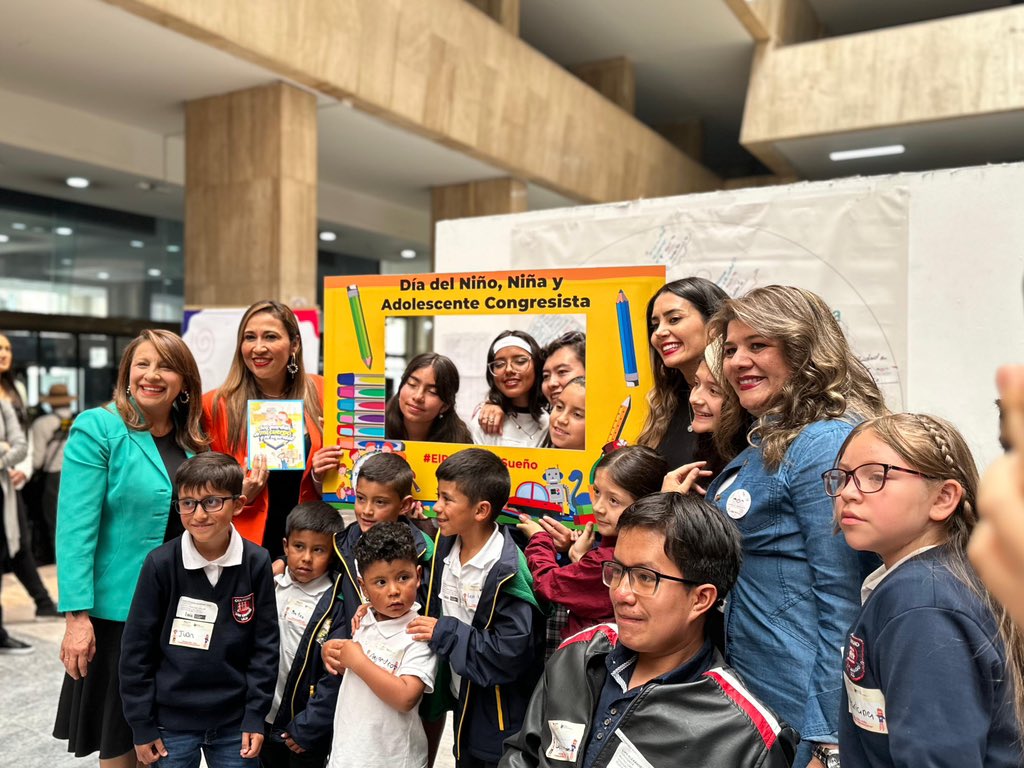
511	341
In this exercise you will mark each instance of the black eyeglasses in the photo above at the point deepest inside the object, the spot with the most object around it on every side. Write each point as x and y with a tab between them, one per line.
519	363
869	478
642	581
209	504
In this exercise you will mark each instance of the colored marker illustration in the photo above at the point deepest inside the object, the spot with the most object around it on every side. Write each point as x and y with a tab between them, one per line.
361	392
626	341
362	418
355	303
361	379
348	430
357	406
620	419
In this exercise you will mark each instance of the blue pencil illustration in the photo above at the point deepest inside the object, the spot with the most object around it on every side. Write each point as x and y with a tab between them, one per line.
626	341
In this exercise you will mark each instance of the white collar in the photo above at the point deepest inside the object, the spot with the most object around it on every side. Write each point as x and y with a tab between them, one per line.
312	588
390	627
193	561
875	577
488	555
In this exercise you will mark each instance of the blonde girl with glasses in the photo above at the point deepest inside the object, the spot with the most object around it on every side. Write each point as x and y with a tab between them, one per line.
925	662
514	363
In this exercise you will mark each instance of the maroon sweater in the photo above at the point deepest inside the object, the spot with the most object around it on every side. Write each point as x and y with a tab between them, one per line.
578	586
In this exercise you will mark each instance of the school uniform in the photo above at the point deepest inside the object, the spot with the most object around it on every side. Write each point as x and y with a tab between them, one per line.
490	637
383	736
310	694
924	673
200	647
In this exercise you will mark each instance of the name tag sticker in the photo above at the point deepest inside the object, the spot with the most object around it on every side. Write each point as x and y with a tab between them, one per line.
565	740
627	755
738	503
196	610
867	707
191	634
298	612
450	591
471	596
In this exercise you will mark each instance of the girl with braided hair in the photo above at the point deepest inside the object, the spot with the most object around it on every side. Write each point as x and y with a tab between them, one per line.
925	662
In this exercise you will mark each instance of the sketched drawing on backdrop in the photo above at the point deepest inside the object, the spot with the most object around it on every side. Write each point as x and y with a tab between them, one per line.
849	248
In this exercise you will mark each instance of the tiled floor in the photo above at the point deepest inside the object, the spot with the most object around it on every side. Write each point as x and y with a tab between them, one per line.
30	685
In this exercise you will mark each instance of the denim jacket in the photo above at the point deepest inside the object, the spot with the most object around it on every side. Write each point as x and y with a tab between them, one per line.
798	588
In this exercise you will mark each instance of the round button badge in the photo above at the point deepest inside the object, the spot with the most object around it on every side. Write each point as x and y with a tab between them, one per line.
738	504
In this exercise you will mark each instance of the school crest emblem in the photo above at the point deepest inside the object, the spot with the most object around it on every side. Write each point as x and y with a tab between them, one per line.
855	658
243	608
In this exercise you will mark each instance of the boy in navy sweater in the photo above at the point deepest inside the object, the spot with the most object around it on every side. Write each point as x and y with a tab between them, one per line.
483	620
199	653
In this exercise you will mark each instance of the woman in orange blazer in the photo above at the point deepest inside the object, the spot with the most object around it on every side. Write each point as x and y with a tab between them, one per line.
267	366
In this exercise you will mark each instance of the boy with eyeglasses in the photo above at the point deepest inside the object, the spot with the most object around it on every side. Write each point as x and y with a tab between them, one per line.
651	689
199	654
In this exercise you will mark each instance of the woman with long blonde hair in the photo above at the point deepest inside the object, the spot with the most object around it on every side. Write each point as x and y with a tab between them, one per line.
788	365
268	365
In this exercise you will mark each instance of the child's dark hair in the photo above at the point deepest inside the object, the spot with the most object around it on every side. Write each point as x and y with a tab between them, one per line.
387	542
388	469
536	397
210	469
636	469
315	516
480	475
703	544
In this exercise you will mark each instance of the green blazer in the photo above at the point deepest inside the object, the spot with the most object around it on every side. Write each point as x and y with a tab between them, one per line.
115	498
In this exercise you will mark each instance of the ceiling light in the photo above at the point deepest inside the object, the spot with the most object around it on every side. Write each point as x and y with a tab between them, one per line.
408	253
77	182
173	248
153	272
136	243
64	231
4	238
103	275
65	262
328	237
144	185
19	226
860	154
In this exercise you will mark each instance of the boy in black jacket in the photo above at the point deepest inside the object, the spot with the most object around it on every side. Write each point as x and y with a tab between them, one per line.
199	652
305	720
652	689
298	727
483	619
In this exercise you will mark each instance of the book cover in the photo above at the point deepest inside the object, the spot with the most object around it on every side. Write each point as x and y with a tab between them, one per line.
276	431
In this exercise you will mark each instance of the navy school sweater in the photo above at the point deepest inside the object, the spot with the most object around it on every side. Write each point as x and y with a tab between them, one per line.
186	688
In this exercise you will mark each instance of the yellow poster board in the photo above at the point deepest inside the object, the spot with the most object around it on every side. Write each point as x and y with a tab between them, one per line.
545	481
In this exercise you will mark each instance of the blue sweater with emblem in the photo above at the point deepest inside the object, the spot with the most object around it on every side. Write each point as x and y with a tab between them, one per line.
188	688
925	676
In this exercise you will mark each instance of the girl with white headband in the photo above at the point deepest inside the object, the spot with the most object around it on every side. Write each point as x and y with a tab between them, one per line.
513	375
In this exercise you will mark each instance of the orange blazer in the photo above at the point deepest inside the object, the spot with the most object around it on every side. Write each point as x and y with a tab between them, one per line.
251	521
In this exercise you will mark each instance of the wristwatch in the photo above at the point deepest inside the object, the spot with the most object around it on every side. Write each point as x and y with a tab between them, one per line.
827	756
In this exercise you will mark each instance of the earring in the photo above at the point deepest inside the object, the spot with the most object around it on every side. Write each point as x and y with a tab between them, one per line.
293	367
184	397
440	415
689	427
128	390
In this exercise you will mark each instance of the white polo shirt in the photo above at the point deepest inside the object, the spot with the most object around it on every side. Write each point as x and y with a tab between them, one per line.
367	732
461	584
193	561
295	605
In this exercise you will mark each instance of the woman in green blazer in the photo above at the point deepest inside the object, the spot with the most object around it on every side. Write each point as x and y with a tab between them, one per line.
114	508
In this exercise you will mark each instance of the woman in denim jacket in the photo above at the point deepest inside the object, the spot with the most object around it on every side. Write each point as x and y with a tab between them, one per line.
790	367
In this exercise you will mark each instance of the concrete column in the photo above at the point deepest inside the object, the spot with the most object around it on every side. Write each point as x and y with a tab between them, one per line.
250	197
